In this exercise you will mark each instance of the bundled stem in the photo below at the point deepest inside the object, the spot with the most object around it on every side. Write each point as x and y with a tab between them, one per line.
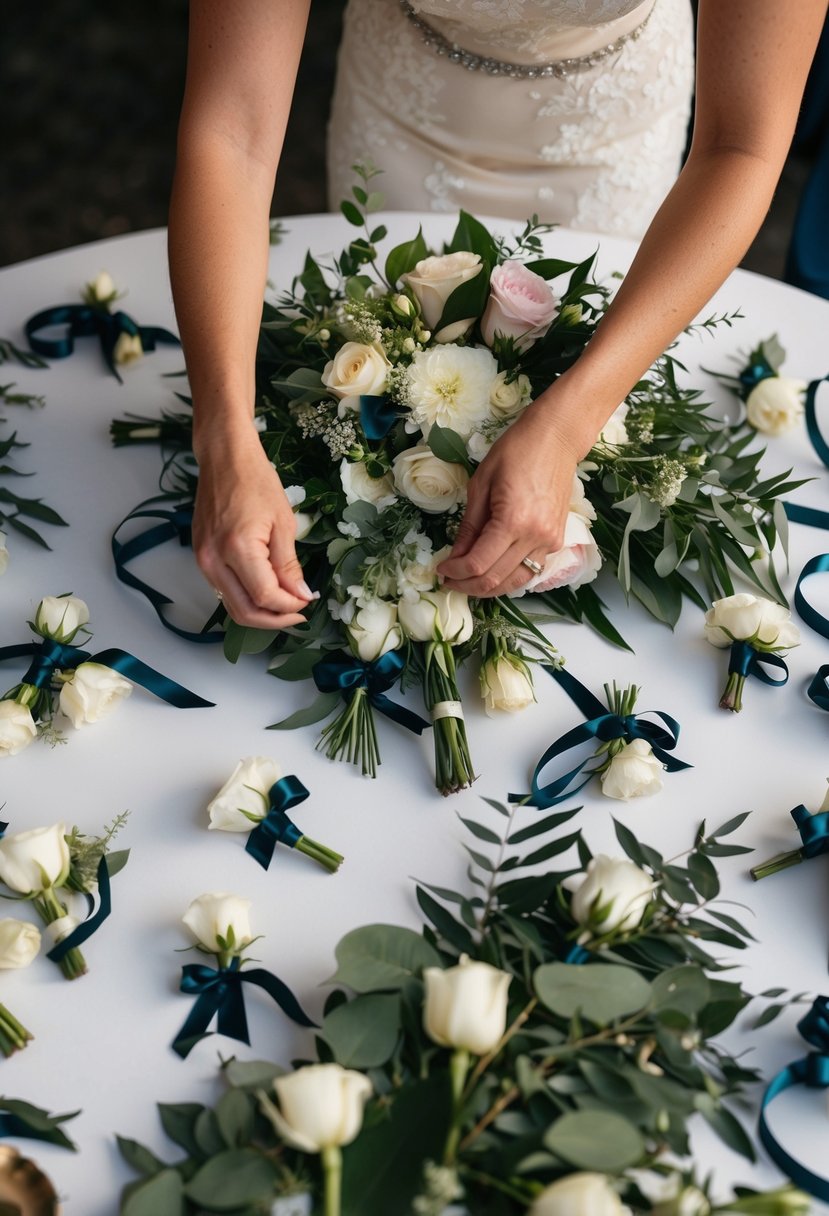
50	909
352	735
453	763
13	1034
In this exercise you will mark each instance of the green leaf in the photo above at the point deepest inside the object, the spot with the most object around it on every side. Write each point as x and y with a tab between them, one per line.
629	843
445	923
471	236
208	1137
352	213
235	1117
320	708
550	268
232	1179
727	1127
296	666
447	445
241	639
684	988
405	257
363	1033
541	826
251	1074
600	992
480	831
160	1196
466	302
729	826
704	876
375	957
179	1122
595	1140
139	1157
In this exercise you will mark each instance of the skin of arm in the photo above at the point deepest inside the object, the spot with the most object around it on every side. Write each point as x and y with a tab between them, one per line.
753	57
242	63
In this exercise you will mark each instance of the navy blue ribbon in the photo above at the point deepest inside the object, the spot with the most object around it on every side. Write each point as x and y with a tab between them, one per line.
811	1070
745	661
220	995
94	921
344	673
813	829
49	656
818	690
377	416
176	525
753	374
818	442
602	726
277	828
86	321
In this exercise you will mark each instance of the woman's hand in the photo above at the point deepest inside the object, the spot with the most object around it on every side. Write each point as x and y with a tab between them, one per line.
516	507
243	537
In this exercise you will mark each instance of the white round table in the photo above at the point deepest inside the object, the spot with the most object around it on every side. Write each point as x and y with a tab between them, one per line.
103	1043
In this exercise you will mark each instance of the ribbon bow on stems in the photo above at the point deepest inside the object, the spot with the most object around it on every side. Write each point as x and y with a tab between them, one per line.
754	629
814	836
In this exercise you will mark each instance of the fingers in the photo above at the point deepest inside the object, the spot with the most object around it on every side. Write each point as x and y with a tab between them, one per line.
244	611
474	518
498	573
285	563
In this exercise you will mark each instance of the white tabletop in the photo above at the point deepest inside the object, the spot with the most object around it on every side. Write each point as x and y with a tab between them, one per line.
102	1043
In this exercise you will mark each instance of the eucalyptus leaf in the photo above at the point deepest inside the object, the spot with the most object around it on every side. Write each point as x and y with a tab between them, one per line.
161	1195
362	1033
595	1140
600	992
232	1179
377	957
320	708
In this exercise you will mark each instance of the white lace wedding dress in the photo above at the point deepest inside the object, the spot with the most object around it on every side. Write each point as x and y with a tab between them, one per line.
593	146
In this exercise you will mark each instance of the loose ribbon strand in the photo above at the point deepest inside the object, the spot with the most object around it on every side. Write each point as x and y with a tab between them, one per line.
85	930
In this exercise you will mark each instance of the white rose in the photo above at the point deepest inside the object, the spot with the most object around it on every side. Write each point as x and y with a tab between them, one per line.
478	445
243	799
508	398
435	278
303	523
613	893
521	305
579	502
577	562
355	370
614	431
19	943
33	861
579	1195
127	349
455	331
102	289
433	485
320	1106
374	630
60	617
92	693
415	577
450	386
17	728
747	617
690	1201
4	553
437	616
506	685
359	486
775	404
220	922
633	772
466	1006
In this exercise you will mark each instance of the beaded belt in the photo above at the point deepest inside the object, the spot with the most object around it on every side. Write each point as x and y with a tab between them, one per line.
520	71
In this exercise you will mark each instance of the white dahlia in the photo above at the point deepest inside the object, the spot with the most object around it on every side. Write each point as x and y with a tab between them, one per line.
450	386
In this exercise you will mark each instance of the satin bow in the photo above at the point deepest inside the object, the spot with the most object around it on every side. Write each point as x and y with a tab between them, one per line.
811	1070
344	673
752	375
85	321
603	726
219	993
277	828
745	661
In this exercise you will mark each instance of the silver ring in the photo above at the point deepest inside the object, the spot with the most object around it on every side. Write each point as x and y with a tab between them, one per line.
531	564
218	594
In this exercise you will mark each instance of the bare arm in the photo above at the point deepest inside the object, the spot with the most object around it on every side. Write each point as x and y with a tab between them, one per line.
753	58
242	65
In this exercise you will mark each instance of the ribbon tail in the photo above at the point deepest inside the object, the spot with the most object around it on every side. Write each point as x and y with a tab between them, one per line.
150	334
195	1027
814	619
85	930
232	1020
280	993
818	442
818	690
582	697
398	713
261	844
793	1074
147	677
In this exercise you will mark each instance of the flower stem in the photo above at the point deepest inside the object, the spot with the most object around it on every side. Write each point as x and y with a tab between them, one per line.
781	861
458	1068
453	763
320	853
13	1035
332	1165
49	909
732	698
352	735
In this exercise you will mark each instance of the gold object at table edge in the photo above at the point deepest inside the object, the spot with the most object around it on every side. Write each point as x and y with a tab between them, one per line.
25	1186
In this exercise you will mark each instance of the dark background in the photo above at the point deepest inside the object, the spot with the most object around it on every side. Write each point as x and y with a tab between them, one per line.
91	93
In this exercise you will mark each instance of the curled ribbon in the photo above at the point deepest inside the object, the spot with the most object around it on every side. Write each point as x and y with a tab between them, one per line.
219	993
94	921
745	661
277	828
48	656
603	726
344	673
377	416
811	1070
85	321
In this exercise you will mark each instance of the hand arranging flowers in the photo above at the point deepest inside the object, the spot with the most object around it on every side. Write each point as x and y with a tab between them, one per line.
35	865
756	630
220	924
539	1049
82	686
256	799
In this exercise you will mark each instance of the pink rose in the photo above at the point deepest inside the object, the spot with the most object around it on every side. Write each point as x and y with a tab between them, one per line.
521	305
577	562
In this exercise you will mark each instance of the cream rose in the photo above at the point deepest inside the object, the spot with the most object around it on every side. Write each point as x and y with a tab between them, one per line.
243	801
4	553
466	1006
359	486
374	630
220	922
437	616
521	306
612	893
633	772
60	617
33	861
19	943
450	386
581	1194
17	728
102	289
320	1106
506	685
577	562
775	404
128	349
433	485
751	618
507	398
614	432
355	370
92	693
435	278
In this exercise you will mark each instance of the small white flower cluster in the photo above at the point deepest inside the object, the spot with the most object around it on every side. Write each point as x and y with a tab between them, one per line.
667	481
441	1187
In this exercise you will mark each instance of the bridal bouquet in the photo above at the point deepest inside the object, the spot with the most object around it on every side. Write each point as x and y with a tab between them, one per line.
540	1048
380	388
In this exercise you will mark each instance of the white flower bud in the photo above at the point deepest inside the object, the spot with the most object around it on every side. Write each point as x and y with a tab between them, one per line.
506	685
582	1194
320	1106
17	728
374	629
242	802
33	861
466	1006
437	616
19	943
93	692
611	894
775	404
60	617
219	922
634	772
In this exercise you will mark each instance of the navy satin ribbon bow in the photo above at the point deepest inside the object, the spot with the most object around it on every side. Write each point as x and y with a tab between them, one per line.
811	1070
94	921
48	656
175	525
276	828
377	416
744	660
813	829
344	673
220	995
818	690
85	321
602	725
752	375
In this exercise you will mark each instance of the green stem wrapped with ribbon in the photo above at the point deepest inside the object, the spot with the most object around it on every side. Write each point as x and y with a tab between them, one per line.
814	836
